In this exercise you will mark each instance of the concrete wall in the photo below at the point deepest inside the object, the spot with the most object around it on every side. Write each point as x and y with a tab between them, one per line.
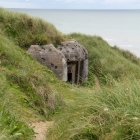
49	56
75	52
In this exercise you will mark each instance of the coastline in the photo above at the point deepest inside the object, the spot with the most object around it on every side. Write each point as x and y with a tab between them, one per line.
117	27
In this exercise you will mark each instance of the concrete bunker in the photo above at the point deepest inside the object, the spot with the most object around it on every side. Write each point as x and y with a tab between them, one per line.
69	61
49	56
77	61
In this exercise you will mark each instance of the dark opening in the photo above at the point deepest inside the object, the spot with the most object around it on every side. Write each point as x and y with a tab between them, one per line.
43	59
43	48
69	77
52	65
69	74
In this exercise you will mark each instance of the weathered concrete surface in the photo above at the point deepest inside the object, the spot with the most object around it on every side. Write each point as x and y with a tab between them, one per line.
49	56
73	51
69	61
77	58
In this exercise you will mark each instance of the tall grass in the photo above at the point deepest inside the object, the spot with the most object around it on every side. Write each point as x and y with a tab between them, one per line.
28	75
107	63
11	129
30	92
127	54
25	92
101	114
11	125
25	30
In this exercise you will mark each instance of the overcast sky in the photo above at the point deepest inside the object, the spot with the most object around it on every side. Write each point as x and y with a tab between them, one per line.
71	4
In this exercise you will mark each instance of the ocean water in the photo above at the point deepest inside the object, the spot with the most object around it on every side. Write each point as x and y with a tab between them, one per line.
117	27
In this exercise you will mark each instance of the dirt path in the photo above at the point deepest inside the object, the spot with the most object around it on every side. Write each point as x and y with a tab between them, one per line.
41	129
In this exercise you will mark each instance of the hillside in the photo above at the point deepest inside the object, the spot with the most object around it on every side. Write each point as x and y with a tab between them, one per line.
31	93
26	95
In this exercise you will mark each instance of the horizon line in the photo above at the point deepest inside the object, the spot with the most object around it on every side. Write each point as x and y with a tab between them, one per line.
70	9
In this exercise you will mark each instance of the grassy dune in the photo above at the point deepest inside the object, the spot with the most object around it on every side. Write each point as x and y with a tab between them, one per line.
25	89
99	114
108	63
24	30
30	92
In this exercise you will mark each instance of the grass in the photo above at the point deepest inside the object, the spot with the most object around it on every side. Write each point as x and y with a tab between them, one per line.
106	62
29	92
26	95
11	127
100	114
25	30
127	54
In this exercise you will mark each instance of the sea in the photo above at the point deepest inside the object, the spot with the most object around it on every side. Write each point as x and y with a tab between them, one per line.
117	27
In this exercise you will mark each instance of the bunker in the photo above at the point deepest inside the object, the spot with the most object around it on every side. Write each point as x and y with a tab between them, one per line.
77	61
69	61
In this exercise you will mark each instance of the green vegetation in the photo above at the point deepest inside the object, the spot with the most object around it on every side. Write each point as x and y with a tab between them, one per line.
104	108
100	114
25	89
24	30
107	64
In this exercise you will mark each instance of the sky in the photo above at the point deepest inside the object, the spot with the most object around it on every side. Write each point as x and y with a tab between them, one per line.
71	4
